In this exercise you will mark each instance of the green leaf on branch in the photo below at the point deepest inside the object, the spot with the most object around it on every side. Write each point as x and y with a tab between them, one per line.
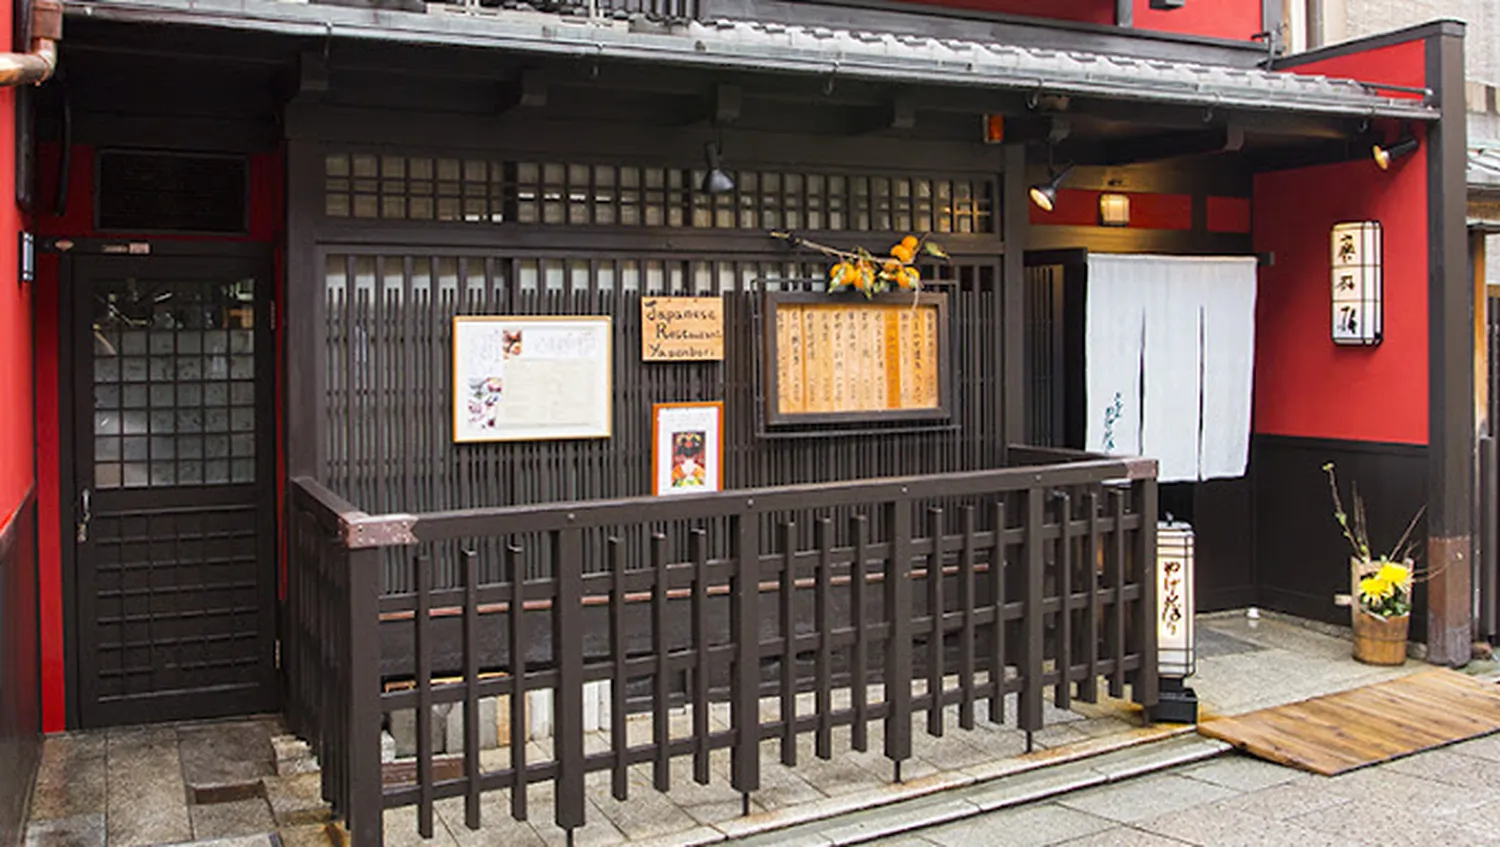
934	250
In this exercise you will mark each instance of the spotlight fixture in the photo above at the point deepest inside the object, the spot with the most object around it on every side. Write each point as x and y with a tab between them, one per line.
716	181
1385	155
1044	194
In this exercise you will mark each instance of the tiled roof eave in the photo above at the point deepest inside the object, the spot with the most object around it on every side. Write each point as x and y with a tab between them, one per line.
751	45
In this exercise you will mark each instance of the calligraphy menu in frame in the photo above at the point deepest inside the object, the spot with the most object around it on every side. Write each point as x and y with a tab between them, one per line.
830	359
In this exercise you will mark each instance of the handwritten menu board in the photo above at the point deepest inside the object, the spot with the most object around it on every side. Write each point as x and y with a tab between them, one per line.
835	360
682	329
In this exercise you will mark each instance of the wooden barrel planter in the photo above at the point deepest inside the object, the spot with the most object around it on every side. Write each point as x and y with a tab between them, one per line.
1380	641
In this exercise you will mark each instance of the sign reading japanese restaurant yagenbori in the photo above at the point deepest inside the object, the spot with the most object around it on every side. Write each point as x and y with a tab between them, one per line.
849	360
682	329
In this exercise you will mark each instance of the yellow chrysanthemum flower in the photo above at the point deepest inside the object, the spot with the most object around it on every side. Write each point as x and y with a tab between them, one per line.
1374	588
1393	573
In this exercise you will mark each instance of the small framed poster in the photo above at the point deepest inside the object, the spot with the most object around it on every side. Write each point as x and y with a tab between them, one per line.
532	378
687	452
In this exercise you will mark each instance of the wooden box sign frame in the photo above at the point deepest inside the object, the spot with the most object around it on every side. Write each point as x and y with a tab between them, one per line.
532	377
682	329
832	359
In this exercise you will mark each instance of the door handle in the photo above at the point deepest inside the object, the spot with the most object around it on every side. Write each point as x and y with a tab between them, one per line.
88	515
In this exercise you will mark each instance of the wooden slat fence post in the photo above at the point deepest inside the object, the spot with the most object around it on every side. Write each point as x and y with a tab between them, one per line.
1145	684
567	640
898	637
362	753
744	705
1029	710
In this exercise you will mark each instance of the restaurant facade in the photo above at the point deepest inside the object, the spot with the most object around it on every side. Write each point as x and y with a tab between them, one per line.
324	311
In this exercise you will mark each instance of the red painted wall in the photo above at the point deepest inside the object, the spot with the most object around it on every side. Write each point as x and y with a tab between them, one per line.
1403	64
1228	214
1235	20
1080	207
267	215
49	523
16	442
19	721
1082	11
1304	384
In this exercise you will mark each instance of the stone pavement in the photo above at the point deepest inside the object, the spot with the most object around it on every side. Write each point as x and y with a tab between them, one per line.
1247	663
139	786
168	784
1445	796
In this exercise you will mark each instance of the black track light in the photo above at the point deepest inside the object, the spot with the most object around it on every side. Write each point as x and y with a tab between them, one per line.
1385	155
1044	194
716	181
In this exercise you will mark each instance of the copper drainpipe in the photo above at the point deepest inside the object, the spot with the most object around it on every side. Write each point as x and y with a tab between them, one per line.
37	65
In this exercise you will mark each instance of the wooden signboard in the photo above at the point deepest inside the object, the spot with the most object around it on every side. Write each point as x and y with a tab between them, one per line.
682	329
831	360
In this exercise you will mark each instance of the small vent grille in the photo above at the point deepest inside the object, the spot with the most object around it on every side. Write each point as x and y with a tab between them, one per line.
171	192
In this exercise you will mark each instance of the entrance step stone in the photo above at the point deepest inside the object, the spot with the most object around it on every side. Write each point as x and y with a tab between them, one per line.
232	820
261	840
306	836
147	795
297	800
293	756
225	762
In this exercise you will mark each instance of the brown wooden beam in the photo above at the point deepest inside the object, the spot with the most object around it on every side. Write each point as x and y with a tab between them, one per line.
1451	443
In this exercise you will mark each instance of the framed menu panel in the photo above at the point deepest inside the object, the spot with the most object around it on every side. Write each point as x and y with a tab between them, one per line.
830	360
531	378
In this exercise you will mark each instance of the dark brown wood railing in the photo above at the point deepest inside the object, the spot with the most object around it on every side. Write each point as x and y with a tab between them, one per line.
861	587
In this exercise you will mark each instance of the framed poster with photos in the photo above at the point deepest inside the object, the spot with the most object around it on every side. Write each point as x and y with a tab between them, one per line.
531	378
687	450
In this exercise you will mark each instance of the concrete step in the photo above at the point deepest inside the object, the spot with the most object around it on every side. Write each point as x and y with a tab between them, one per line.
297	836
1014	789
853	819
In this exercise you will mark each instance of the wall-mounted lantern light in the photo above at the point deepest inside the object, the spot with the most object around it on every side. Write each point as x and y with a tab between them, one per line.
994	129
1176	646
1114	210
1357	284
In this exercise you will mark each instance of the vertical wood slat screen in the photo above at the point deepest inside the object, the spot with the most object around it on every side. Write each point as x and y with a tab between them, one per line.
387	370
1043	355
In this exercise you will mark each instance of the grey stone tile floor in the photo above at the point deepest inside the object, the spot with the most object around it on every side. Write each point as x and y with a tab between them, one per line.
211	782
1439	797
216	782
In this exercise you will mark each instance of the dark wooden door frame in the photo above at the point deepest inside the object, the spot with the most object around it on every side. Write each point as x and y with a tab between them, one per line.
1069	342
259	259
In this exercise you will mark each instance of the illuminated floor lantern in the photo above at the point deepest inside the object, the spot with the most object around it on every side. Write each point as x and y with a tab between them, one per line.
1357	256
1175	644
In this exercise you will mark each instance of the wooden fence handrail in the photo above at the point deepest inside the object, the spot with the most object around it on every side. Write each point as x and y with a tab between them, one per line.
546	517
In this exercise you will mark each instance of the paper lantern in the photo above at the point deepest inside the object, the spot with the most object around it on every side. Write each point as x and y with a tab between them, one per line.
1357	284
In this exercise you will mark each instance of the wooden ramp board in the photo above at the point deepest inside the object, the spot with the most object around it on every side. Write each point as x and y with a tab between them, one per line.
1340	732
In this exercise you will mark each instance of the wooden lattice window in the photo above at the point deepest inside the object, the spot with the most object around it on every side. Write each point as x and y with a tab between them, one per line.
390	187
